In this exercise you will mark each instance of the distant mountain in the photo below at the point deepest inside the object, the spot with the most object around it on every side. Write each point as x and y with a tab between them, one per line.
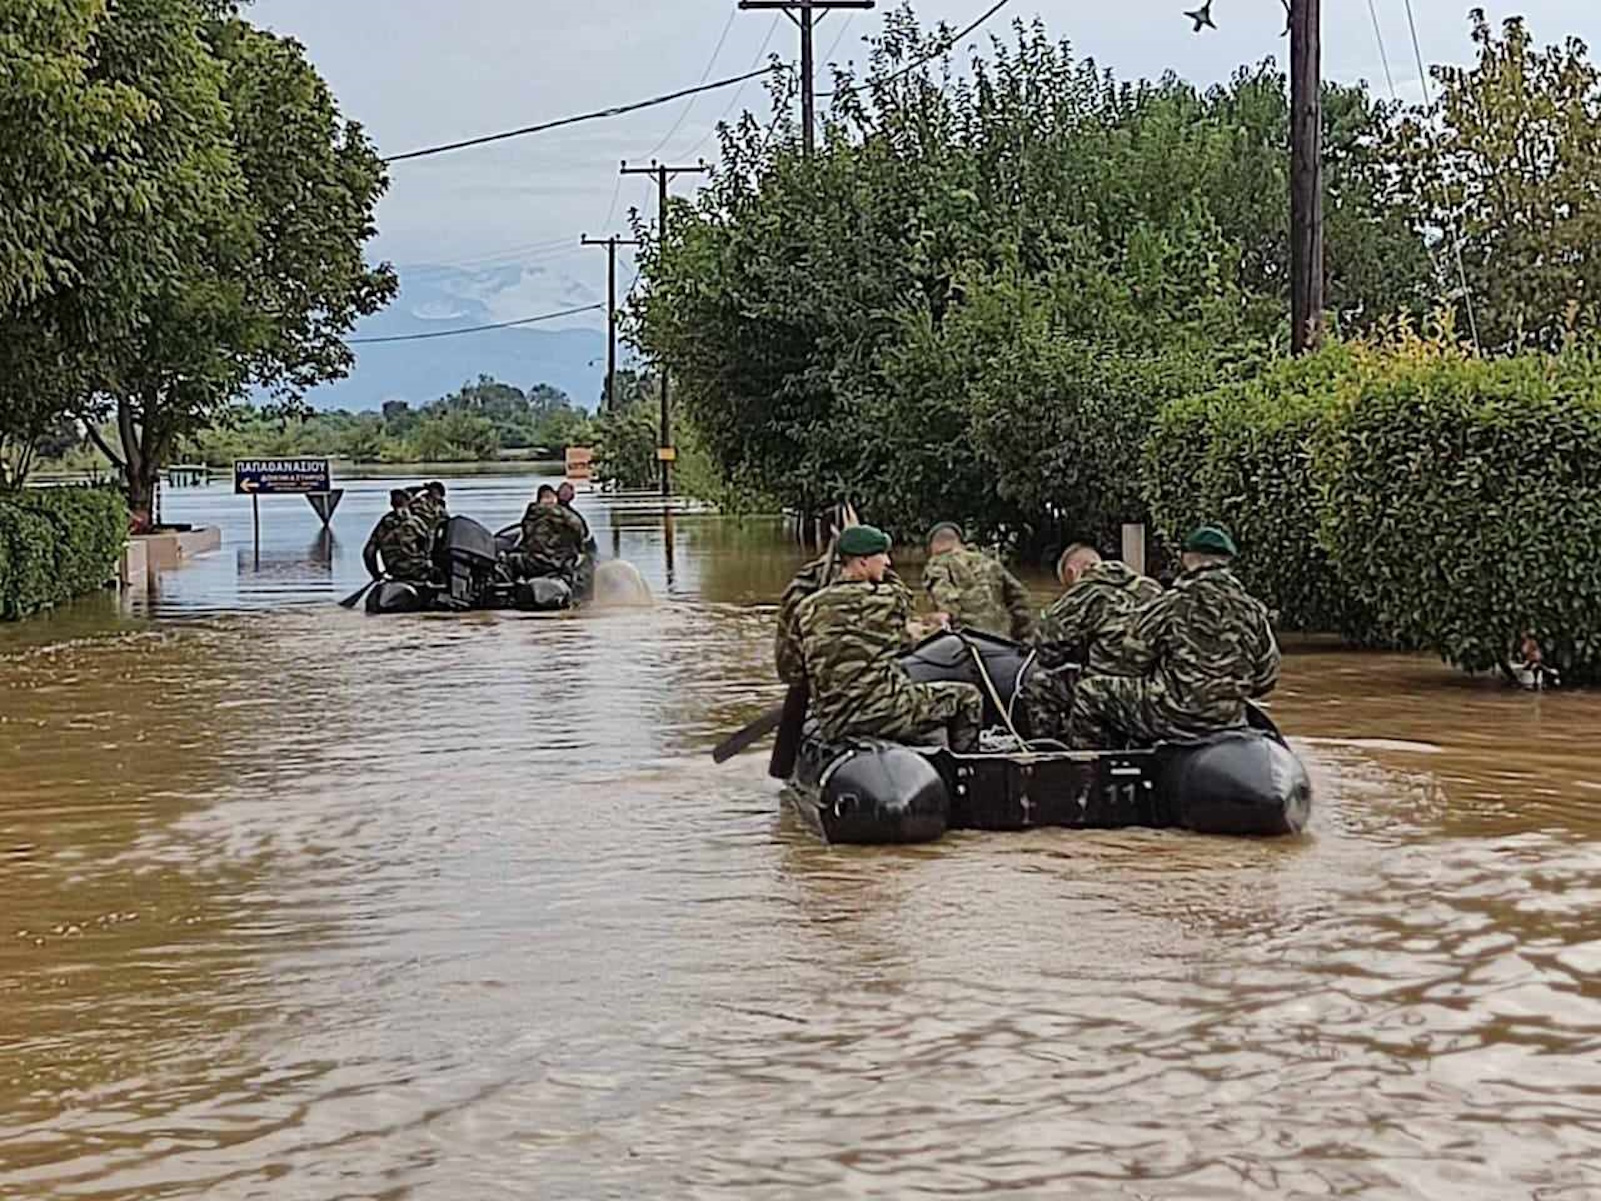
568	354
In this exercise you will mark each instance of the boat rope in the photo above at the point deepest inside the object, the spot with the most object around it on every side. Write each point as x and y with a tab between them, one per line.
995	695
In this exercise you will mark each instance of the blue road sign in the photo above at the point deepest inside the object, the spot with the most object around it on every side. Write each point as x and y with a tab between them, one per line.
281	477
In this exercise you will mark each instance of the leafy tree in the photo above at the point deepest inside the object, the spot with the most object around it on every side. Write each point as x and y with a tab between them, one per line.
1010	269
453	437
275	279
1505	168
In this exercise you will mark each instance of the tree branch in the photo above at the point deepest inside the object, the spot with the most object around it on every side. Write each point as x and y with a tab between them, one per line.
93	435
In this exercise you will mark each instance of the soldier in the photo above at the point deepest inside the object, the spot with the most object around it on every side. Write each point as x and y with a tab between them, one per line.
1202	650
814	577
564	497
972	590
400	540
553	539
1087	629
850	635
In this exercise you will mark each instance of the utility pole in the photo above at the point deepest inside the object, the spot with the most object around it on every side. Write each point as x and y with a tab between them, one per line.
1306	176
664	174
611	244
806	14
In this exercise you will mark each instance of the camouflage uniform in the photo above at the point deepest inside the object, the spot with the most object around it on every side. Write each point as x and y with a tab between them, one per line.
1088	627
553	542
429	510
813	578
851	634
401	541
979	594
1205	647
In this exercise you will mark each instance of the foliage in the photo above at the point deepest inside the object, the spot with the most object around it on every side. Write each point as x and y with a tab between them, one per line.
972	300
223	248
1241	456
57	543
626	438
1461	500
1405	492
469	425
1505	168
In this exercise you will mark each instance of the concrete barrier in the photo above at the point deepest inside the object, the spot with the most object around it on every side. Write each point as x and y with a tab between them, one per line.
146	556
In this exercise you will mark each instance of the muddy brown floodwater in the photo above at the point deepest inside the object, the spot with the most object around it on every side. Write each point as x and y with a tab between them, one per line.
295	903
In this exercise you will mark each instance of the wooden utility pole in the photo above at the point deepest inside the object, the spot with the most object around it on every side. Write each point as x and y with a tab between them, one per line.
806	14
611	244
663	175
1306	176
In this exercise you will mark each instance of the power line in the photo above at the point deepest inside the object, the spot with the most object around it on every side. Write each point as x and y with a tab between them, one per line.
722	40
474	329
1384	57
1456	241
599	114
844	28
760	54
945	46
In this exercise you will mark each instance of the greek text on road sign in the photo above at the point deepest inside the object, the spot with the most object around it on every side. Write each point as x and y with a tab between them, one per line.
280	477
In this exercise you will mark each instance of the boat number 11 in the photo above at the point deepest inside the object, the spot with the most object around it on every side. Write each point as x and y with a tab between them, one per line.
1125	792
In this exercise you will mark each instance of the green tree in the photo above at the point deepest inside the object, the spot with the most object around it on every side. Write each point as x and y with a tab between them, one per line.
276	281
1012	268
455	437
1504	169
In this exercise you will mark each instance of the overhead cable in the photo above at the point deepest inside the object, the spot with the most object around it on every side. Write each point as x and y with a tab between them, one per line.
945	46
474	329
598	114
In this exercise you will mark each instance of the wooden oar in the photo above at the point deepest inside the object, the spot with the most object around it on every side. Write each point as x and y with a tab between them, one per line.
751	734
786	747
354	599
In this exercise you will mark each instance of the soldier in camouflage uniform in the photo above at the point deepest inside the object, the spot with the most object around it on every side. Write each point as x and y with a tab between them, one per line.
812	578
553	540
1086	629
851	634
1204	648
400	540
973	590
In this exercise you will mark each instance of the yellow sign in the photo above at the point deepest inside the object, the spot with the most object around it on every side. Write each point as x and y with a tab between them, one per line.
667	454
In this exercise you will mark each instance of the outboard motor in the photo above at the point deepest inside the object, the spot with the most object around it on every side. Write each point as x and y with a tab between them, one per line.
883	793
468	553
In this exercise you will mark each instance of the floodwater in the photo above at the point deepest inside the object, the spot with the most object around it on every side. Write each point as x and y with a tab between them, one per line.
295	903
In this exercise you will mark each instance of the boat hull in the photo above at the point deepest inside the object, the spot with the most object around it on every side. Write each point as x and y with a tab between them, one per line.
1242	782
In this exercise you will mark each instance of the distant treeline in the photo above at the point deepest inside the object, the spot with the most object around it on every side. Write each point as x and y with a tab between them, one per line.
473	424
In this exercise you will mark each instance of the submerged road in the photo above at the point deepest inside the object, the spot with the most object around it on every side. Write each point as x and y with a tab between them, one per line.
298	903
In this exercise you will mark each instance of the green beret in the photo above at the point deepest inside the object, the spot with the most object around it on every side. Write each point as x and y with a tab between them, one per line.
942	528
863	540
1210	540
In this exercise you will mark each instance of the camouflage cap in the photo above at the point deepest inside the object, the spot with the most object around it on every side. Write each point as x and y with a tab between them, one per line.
1210	540
861	540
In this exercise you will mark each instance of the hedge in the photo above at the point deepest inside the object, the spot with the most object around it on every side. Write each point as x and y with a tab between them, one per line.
1242	456
1461	499
1405	494
57	543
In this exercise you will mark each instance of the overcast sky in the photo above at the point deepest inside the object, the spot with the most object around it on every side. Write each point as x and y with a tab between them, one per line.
419	72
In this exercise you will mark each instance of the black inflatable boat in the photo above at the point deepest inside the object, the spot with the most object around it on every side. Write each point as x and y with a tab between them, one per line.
1240	782
472	565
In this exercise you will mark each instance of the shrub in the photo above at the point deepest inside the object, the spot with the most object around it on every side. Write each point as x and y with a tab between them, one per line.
1242	456
1461	500
57	543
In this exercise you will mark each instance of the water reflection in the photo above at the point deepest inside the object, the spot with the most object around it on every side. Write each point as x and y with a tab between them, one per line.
297	902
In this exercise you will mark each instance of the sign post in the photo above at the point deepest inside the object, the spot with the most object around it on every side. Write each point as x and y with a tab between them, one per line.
311	478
